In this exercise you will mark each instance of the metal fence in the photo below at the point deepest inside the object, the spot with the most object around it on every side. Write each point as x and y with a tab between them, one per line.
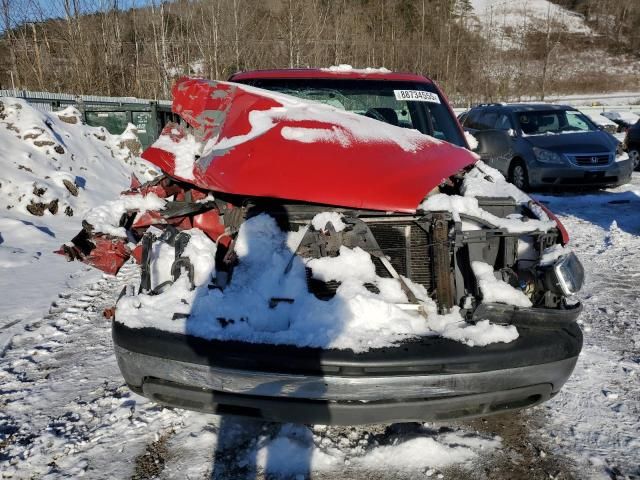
590	109
112	113
149	116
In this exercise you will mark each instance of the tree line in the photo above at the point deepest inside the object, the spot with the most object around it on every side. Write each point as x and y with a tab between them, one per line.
101	47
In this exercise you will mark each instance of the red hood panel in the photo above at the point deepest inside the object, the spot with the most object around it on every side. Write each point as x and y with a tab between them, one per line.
265	145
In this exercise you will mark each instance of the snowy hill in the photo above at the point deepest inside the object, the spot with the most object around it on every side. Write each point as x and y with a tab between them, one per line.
53	164
54	168
536	37
508	21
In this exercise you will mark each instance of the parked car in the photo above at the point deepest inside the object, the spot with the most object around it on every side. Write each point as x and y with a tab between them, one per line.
543	145
286	158
632	144
623	119
604	123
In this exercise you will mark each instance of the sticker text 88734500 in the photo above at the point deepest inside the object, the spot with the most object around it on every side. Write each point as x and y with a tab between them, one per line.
416	96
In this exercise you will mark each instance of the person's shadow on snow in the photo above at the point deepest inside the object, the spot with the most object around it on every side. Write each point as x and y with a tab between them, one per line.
248	447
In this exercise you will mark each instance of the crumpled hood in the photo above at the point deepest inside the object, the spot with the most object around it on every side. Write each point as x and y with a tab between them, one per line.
581	142
253	142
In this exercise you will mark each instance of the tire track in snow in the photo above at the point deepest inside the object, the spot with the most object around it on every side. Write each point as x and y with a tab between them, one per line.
596	417
65	411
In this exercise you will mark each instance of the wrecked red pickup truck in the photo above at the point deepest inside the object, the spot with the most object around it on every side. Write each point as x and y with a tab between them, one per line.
323	248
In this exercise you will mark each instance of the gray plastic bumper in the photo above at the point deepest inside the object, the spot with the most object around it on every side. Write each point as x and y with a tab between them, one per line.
340	399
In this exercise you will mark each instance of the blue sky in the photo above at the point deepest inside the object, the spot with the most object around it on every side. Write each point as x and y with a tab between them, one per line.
26	10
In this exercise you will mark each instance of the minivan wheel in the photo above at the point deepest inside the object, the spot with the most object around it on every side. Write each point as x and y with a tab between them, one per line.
634	155
518	175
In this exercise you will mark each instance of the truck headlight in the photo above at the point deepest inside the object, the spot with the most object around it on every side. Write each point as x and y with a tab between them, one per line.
566	275
547	156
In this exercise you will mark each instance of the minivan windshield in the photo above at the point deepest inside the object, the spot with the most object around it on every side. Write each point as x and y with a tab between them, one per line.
544	122
404	104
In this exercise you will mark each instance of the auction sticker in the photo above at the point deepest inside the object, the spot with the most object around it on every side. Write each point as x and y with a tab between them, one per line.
416	96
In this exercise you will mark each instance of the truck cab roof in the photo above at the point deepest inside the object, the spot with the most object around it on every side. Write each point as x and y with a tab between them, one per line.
329	73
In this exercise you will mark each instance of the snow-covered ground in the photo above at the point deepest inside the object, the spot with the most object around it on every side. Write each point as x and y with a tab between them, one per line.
65	412
626	99
54	169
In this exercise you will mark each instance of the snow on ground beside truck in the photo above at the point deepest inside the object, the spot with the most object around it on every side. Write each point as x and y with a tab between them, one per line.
53	163
65	411
54	168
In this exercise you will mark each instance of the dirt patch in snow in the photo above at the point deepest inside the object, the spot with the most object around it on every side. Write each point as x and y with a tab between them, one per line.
521	456
151	463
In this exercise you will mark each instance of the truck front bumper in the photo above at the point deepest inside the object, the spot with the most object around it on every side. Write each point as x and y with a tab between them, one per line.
430	379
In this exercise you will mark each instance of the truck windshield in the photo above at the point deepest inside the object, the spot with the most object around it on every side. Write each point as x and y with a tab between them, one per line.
403	104
553	121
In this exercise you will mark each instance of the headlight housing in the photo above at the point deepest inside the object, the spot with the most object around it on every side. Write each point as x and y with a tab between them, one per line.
566	276
547	156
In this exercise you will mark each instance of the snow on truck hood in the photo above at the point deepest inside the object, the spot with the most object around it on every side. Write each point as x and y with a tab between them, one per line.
254	142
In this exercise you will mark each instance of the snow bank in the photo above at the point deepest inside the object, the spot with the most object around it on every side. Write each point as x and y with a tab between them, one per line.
355	318
54	169
505	23
54	164
106	218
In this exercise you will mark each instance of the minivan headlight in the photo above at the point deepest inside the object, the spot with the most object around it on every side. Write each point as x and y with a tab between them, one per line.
621	155
566	276
547	156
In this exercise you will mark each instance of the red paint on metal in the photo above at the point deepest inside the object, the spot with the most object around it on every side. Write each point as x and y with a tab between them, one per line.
451	112
209	223
135	183
564	234
109	254
369	174
136	253
181	223
149	218
197	195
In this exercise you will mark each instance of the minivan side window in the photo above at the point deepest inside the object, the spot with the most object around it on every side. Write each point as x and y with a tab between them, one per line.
504	123
488	120
471	120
